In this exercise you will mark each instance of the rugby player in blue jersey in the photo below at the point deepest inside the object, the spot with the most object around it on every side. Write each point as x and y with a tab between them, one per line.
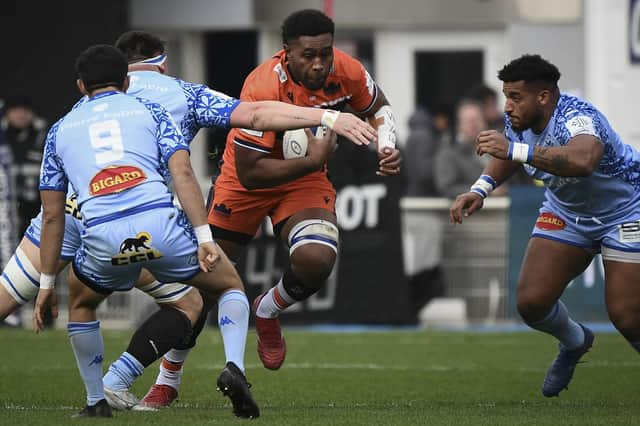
592	204
117	180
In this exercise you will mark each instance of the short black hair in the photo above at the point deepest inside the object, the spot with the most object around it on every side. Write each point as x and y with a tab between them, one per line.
530	69
139	45
306	22
100	66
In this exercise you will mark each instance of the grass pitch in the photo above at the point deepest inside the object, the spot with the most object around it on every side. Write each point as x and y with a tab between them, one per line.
390	378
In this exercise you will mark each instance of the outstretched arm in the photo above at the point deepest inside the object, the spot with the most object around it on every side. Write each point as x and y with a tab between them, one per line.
274	115
494	174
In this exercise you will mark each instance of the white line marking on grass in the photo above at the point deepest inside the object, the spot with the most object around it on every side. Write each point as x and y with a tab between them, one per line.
16	407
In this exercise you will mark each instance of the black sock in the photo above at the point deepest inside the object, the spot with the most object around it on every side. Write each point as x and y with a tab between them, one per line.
165	329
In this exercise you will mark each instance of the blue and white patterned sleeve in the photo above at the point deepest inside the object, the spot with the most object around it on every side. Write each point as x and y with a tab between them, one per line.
168	133
211	108
52	174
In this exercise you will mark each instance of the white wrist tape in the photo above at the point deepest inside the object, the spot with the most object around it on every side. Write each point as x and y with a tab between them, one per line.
483	186
47	282
520	152
203	234
329	118
386	128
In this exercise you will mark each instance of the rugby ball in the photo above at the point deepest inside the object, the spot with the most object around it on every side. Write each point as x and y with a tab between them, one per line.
294	142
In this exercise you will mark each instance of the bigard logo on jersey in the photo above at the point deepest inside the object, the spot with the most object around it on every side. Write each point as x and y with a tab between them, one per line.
136	249
116	179
550	222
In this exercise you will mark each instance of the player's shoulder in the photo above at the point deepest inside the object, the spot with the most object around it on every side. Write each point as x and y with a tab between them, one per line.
346	66
570	106
156	110
265	80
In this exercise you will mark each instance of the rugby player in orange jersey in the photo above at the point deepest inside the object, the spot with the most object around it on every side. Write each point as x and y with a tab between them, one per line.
256	181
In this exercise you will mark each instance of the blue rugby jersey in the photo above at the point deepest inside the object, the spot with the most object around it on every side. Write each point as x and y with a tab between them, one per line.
613	187
192	106
113	149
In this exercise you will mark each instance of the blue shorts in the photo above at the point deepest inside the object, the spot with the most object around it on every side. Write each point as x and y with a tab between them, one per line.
617	236
113	253
70	241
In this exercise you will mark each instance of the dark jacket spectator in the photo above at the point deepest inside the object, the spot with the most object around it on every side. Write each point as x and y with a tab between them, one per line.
25	133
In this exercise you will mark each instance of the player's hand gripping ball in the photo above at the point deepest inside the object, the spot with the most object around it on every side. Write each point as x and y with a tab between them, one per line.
295	142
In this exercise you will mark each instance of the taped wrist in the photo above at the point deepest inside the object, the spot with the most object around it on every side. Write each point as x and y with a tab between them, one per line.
520	152
165	329
483	186
329	118
386	128
47	281
203	234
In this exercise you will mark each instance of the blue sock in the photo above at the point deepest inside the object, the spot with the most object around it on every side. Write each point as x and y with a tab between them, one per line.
123	372
561	326
88	348
233	320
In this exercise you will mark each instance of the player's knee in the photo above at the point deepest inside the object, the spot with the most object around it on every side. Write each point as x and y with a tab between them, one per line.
20	278
313	246
190	305
532	306
626	319
313	263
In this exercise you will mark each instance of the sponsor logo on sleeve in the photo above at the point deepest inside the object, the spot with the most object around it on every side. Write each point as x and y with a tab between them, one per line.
550	222
116	179
581	125
282	76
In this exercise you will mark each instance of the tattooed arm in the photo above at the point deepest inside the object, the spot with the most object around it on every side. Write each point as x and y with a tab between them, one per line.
579	157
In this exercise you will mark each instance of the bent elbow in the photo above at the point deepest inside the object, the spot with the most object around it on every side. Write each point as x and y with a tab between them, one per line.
255	119
587	168
247	182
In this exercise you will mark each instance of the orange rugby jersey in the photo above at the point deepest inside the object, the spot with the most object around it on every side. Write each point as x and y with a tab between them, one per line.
348	83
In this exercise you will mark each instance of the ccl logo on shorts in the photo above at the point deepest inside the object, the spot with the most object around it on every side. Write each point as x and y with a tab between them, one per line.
133	250
550	222
116	179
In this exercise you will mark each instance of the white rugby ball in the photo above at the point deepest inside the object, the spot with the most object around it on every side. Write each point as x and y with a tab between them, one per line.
294	142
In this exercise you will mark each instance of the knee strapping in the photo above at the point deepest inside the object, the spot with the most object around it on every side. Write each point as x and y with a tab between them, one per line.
20	278
294	287
165	329
313	231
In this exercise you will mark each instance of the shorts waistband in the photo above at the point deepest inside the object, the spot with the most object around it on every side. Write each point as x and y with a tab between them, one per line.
128	212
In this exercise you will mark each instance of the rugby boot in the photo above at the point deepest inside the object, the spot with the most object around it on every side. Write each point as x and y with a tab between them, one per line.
123	400
159	396
561	371
233	383
271	345
100	409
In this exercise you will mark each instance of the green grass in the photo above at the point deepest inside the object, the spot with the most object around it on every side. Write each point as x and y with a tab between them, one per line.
395	378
